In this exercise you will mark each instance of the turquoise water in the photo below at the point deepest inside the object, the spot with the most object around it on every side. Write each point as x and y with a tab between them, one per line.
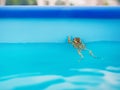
52	66
56	30
35	55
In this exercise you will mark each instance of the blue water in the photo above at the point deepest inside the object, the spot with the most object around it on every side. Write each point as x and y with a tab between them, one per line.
35	55
57	66
56	30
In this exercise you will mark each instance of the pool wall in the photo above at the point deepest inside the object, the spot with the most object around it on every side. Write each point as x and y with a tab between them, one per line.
59	12
103	15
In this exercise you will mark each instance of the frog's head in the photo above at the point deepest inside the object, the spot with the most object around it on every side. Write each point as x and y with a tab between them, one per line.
77	40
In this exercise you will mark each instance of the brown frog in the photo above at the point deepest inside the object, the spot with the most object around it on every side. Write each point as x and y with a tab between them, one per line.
78	44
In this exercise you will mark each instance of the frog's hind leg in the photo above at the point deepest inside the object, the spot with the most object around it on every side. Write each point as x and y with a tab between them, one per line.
91	53
81	55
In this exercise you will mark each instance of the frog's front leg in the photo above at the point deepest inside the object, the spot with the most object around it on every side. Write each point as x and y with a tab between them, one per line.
69	39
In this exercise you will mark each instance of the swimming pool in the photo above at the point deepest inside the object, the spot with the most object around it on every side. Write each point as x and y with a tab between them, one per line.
35	55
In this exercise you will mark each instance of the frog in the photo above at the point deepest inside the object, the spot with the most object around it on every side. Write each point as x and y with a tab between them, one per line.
79	46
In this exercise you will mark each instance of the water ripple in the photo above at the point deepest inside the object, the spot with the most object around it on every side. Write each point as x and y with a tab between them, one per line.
106	79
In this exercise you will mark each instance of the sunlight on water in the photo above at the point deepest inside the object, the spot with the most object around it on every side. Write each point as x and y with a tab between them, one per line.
52	66
105	80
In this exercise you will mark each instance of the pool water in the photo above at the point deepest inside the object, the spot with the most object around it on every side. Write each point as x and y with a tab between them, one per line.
23	30
35	55
57	66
